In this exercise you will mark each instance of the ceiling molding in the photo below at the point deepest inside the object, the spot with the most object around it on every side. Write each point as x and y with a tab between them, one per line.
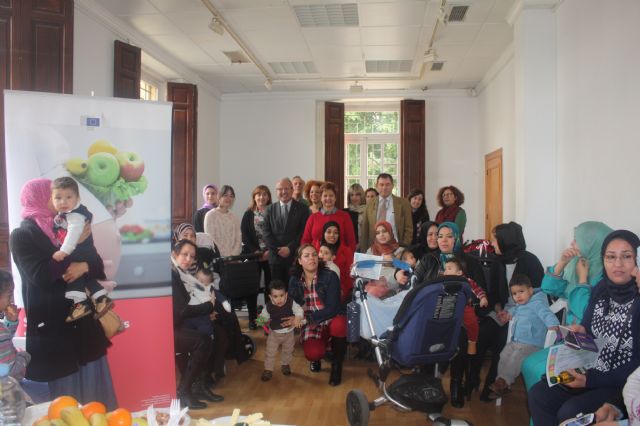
520	5
378	95
132	36
496	68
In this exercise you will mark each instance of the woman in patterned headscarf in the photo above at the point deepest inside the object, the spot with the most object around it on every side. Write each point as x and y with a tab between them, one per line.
613	317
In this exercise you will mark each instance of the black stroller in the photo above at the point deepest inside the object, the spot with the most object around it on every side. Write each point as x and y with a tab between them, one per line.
425	331
239	278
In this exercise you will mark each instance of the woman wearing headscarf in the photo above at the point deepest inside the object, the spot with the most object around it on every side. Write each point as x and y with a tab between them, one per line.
572	278
429	267
612	316
511	259
210	197
71	357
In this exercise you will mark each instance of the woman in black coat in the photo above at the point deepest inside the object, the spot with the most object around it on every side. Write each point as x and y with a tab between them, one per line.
430	266
512	258
71	357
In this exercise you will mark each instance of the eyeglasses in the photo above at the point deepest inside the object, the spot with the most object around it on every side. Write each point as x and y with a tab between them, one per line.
624	258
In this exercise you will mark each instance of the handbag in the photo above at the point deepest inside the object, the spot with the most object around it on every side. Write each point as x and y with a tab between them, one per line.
111	323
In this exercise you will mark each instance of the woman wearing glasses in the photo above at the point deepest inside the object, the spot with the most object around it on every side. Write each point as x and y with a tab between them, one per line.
571	279
612	315
450	199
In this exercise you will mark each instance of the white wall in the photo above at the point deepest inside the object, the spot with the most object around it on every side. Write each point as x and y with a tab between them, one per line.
497	131
92	56
453	156
264	137
598	114
93	71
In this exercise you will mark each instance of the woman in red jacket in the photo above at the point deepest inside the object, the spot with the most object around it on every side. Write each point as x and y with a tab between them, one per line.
315	224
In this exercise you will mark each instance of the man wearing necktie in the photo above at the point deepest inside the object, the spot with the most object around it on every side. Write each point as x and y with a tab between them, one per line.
284	223
387	207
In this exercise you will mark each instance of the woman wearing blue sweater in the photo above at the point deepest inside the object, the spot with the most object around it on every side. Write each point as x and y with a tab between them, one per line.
613	315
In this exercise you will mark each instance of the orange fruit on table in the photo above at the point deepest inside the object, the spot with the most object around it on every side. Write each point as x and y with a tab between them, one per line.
93	407
119	417
59	403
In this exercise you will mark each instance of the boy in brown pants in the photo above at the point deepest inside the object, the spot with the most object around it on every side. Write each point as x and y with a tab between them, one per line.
279	308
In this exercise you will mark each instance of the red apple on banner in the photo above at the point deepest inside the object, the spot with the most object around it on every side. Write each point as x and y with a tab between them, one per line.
131	166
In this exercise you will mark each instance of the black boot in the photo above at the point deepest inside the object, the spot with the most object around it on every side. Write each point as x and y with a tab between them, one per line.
315	366
472	381
188	400
486	394
457	393
200	391
336	373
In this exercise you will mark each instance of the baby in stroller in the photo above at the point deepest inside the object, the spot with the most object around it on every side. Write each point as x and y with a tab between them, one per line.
424	330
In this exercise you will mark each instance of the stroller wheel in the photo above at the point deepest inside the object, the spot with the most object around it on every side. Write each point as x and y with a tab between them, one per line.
357	408
249	345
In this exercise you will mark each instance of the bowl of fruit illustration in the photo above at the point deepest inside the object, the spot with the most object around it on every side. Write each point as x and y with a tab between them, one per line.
113	176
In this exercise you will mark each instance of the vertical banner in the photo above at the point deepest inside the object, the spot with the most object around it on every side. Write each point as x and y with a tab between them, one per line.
119	152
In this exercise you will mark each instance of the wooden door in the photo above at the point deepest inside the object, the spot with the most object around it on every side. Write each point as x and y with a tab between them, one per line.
36	53
183	150
127	69
492	191
334	147
412	139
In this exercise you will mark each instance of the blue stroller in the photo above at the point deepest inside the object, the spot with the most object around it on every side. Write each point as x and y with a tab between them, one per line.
425	331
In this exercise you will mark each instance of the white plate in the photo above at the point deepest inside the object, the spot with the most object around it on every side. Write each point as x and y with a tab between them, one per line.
143	413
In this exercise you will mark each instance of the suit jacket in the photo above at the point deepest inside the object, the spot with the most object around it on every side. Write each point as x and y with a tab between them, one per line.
277	236
403	219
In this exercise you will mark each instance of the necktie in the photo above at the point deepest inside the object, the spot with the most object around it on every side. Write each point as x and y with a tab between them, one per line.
382	212
284	213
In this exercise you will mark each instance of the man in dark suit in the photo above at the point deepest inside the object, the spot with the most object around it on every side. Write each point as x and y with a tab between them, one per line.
284	224
388	207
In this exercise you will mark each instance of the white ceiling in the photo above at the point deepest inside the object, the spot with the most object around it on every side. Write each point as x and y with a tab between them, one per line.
387	30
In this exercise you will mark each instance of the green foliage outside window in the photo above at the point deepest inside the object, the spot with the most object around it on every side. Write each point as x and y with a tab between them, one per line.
371	122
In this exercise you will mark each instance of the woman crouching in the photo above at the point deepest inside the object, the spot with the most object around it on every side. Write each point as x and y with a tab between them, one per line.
317	290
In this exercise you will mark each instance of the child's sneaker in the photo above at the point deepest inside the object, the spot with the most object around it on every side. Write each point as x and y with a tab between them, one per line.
79	310
286	370
102	305
499	388
266	375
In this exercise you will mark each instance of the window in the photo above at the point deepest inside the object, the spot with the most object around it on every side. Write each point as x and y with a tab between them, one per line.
372	141
148	92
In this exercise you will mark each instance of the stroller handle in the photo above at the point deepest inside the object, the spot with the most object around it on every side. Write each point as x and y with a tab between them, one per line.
371	263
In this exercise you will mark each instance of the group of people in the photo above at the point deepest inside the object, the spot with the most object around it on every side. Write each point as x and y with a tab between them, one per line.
304	246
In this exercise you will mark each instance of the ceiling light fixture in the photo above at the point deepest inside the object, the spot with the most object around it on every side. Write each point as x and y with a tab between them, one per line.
430	55
268	84
356	88
216	26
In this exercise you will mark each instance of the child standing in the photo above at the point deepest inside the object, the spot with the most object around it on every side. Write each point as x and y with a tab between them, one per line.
279	308
455	266
530	319
8	355
328	254
68	227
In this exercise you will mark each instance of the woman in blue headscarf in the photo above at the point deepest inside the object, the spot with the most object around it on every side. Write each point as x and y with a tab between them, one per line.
571	279
430	266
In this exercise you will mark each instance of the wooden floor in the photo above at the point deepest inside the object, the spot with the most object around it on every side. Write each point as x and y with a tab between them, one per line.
306	399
